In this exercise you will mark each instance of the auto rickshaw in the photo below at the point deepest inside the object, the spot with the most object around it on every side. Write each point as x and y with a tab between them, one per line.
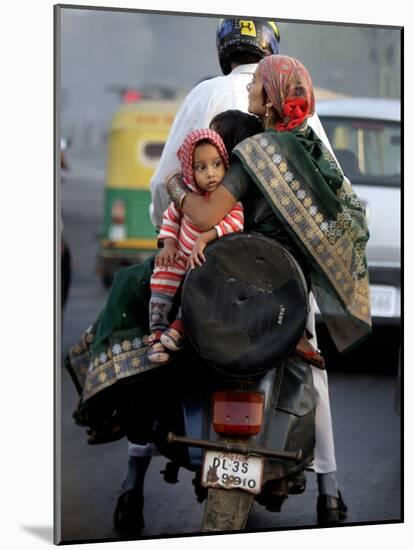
137	136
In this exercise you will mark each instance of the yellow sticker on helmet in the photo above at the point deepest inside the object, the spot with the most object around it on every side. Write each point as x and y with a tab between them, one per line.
247	28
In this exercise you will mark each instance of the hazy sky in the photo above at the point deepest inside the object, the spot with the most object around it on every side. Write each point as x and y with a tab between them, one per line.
104	48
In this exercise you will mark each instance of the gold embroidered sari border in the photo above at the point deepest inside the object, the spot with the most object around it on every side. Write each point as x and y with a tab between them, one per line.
274	174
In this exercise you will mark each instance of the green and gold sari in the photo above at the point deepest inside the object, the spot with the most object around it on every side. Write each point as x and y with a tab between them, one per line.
323	215
113	349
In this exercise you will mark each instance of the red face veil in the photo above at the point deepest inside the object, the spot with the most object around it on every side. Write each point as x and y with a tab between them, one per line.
288	86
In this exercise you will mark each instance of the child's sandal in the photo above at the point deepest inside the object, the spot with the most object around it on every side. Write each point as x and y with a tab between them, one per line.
172	339
156	352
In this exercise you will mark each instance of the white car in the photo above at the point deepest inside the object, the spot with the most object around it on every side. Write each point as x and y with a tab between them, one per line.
365	134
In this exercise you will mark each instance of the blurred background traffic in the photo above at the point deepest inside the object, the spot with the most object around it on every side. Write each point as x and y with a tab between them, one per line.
122	77
105	52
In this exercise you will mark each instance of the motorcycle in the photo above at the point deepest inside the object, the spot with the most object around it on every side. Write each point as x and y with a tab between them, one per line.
240	409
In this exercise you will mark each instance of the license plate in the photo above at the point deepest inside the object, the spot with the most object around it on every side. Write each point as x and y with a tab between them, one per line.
383	301
232	471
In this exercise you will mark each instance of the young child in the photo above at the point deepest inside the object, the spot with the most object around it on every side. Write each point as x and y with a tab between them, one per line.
204	160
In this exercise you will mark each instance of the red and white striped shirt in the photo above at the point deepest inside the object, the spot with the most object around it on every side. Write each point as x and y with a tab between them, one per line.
178	226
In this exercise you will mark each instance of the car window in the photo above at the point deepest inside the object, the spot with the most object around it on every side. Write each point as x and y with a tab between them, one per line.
369	151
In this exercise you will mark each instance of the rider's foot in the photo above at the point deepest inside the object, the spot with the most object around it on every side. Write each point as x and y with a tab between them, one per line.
331	510
305	349
128	514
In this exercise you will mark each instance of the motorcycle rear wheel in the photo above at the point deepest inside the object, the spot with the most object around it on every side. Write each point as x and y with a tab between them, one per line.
226	510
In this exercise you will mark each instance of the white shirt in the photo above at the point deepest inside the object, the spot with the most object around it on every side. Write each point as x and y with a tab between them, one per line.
199	107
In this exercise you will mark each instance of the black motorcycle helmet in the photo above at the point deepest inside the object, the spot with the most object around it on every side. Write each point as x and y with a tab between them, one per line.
254	36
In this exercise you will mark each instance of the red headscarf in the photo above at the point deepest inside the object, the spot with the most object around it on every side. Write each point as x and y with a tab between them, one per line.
289	88
186	151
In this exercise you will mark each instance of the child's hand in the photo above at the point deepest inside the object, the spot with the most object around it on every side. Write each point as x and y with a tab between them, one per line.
166	256
197	254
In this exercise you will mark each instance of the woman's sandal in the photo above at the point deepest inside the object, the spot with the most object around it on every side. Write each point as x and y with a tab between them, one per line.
172	339
105	434
156	352
305	350
99	431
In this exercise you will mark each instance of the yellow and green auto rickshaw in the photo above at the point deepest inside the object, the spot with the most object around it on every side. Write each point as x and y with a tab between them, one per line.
137	136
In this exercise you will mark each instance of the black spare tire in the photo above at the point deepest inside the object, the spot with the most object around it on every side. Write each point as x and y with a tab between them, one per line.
245	308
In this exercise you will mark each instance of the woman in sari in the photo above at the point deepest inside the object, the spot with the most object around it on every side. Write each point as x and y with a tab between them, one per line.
293	190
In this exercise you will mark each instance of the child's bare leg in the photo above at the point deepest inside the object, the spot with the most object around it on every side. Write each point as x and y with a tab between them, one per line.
159	309
164	285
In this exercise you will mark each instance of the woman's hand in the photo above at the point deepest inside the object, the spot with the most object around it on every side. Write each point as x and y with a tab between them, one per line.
197	254
206	214
166	255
